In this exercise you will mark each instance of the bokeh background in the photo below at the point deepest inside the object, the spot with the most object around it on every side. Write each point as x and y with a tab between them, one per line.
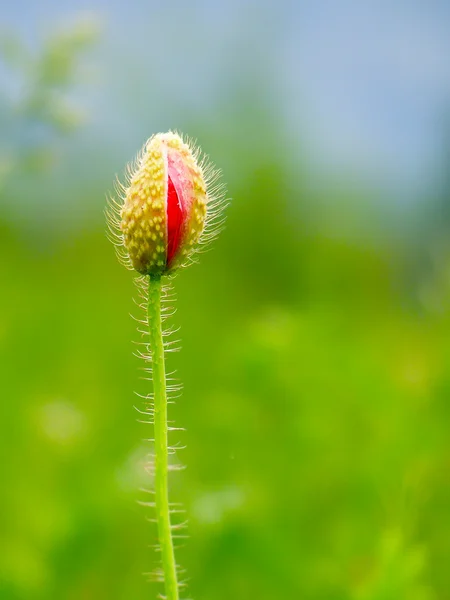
315	334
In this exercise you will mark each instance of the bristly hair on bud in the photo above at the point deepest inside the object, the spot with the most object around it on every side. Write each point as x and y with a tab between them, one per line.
170	206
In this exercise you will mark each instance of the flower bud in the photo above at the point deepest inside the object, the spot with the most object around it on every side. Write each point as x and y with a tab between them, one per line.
165	206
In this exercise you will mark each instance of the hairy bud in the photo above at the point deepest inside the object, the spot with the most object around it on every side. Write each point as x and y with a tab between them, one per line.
168	207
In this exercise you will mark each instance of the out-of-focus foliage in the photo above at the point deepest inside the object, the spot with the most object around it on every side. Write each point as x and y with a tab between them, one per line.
316	399
34	108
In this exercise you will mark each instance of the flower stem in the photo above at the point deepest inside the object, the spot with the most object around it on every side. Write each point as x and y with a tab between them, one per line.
161	446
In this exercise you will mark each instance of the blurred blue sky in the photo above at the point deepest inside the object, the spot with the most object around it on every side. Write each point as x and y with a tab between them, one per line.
363	88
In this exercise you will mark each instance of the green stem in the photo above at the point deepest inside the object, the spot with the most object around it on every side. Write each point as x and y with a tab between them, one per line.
161	447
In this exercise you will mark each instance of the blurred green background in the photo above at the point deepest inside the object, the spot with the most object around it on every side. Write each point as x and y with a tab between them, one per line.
315	334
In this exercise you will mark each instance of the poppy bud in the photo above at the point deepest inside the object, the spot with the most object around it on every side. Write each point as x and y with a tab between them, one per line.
165	206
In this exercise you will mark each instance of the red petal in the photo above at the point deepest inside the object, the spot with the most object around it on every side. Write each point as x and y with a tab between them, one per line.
175	219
